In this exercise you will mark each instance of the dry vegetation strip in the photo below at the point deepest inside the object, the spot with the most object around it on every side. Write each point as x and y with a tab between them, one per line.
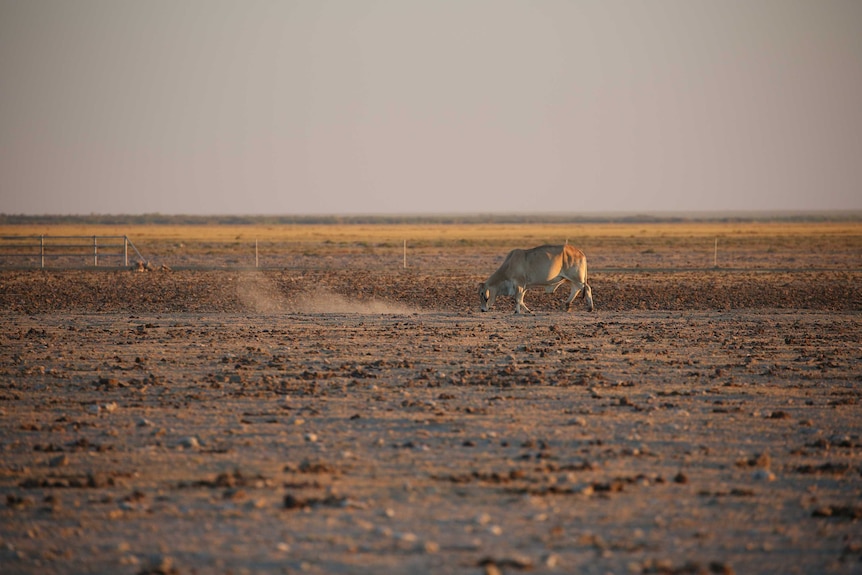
446	233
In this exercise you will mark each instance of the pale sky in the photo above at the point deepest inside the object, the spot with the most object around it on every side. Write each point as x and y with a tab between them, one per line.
445	106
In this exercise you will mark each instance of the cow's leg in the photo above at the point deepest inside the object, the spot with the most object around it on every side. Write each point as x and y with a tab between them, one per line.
581	290
588	297
576	289
519	301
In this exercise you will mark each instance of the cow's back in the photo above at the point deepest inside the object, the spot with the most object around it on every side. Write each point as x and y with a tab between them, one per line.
546	262
538	265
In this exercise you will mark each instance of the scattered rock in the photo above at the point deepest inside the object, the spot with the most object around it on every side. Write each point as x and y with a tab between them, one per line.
852	512
827	468
520	562
292	501
14	501
159	565
59	461
189	443
763	475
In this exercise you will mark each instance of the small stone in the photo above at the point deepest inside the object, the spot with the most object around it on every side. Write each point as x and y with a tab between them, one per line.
406	537
235	494
763	475
189	443
17	502
760	460
585	489
482	519
720	568
552	560
311	437
59	461
160	565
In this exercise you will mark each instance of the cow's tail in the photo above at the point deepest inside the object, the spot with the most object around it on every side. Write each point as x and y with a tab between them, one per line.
587	292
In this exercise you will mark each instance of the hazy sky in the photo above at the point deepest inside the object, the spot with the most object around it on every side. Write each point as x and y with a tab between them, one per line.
403	106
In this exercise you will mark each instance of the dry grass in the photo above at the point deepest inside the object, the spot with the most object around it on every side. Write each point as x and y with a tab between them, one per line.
446	233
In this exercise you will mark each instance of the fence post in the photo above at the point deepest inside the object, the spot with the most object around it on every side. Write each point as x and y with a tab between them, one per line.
125	251
256	260
405	254
42	251
715	255
95	253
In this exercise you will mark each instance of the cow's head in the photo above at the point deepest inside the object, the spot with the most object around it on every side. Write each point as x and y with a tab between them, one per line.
487	295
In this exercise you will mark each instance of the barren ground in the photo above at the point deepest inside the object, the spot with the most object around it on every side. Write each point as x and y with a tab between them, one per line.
359	420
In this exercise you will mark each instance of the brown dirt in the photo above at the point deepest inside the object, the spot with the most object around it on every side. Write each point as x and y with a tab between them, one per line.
360	421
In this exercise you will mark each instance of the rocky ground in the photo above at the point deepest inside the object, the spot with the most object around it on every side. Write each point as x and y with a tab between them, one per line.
361	421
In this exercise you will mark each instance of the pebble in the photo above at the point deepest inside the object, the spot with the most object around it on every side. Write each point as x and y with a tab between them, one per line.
760	460
59	461
311	437
763	475
189	443
406	537
162	565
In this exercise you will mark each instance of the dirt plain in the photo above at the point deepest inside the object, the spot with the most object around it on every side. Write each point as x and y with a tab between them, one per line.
343	415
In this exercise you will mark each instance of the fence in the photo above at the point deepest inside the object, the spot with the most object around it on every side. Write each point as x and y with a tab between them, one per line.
68	250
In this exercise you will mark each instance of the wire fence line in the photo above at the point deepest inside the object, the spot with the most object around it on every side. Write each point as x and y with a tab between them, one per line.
66	251
605	255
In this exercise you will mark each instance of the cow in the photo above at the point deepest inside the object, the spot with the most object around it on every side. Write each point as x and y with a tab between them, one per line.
543	266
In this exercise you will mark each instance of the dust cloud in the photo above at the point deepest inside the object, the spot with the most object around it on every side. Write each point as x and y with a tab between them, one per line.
325	301
260	294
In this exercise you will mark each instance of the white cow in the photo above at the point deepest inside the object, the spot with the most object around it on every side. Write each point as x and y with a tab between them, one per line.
543	266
